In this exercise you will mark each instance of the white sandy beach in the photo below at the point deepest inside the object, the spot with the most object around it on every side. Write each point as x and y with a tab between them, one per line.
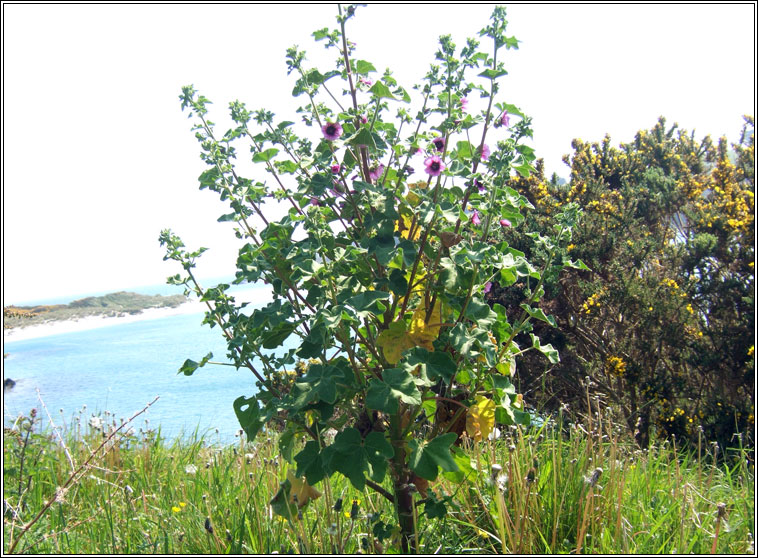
93	322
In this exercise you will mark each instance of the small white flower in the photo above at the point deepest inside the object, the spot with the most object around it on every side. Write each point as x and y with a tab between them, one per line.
190	469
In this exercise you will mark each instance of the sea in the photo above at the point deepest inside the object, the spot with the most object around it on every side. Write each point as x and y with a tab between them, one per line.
115	370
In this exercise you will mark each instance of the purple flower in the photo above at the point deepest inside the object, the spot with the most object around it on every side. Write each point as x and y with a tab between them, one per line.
479	185
505	120
487	287
364	119
331	130
366	82
314	201
336	169
439	144
464	104
475	218
434	166
376	172
485	152
505	223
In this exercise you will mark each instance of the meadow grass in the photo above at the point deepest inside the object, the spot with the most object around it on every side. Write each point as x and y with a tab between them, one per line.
560	488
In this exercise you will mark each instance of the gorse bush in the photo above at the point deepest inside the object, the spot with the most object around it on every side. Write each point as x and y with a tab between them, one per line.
662	327
379	269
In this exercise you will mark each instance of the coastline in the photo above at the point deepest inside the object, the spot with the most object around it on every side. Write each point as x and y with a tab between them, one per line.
57	327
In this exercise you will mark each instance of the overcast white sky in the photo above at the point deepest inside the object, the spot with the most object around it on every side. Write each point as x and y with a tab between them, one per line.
98	157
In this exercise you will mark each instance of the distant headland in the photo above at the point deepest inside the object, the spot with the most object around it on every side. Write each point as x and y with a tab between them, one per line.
111	305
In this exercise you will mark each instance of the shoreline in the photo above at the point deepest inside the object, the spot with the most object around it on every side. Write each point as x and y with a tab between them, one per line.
57	327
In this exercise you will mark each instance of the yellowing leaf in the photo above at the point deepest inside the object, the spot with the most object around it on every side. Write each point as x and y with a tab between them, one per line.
412	198
519	402
423	332
480	419
404	225
394	341
301	492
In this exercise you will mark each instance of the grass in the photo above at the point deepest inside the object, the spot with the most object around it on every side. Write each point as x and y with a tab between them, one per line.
581	488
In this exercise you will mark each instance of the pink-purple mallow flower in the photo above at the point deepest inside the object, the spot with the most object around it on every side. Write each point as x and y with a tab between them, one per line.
331	130
504	120
314	201
376	172
475	218
464	104
336	169
505	223
439	144
434	166
485	151
487	287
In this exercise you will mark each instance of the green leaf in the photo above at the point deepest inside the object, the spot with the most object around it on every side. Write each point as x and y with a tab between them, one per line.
321	380
309	463
524	169
547	350
266	155
465	469
363	68
313	345
280	504
480	312
249	415
426	457
465	150
378	453
320	34
436	364
363	137
381	91
286	167
353	457
522	418
277	335
287	444
511	109
189	366
366	302
317	78
492	73
397	282
435	508
539	314
396	385
576	264
511	42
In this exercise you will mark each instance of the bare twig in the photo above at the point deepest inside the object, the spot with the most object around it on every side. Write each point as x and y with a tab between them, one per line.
57	431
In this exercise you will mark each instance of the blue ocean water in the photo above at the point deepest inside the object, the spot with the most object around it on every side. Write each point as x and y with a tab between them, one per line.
120	368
